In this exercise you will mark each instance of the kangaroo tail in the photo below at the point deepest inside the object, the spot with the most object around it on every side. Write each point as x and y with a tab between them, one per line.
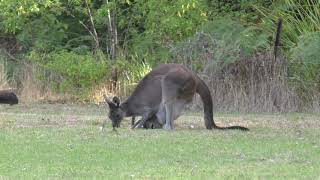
232	127
206	98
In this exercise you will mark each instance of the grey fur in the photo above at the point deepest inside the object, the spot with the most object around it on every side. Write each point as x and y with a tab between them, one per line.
161	95
8	97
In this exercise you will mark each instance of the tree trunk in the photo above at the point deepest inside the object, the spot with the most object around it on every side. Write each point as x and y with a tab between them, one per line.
112	43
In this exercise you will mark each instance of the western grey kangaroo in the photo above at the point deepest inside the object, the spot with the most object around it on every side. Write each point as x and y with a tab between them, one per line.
163	93
8	97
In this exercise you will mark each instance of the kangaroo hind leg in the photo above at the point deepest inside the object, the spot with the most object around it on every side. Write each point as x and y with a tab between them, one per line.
171	85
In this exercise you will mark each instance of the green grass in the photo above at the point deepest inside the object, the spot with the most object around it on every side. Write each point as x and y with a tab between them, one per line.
70	145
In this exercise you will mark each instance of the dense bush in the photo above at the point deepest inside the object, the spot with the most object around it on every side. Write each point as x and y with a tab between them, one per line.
219	43
300	17
73	72
237	8
299	42
305	64
155	25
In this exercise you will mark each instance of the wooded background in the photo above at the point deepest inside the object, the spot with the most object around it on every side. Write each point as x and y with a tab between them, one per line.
77	50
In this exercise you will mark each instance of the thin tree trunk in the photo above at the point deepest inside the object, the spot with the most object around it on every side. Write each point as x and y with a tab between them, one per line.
115	36
94	33
113	42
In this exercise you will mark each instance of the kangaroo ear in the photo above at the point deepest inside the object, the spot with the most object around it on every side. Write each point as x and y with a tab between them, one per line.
116	101
111	104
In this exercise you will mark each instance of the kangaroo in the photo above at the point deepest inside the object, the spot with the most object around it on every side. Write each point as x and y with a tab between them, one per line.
8	97
163	93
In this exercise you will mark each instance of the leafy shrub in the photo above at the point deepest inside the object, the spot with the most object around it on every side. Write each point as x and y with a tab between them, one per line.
43	34
299	39
75	72
152	26
220	42
300	17
237	8
130	73
305	64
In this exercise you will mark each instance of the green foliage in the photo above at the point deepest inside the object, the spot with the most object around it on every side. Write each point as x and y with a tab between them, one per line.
299	18
299	39
132	72
47	25
307	49
15	14
221	42
253	39
171	21
305	64
230	32
153	25
76	72
50	37
242	9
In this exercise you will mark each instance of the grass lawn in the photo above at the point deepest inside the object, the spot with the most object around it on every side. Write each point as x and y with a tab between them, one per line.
43	141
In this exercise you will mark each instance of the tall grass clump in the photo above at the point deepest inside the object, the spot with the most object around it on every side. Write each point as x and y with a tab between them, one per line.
300	17
304	71
70	72
129	73
301	44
